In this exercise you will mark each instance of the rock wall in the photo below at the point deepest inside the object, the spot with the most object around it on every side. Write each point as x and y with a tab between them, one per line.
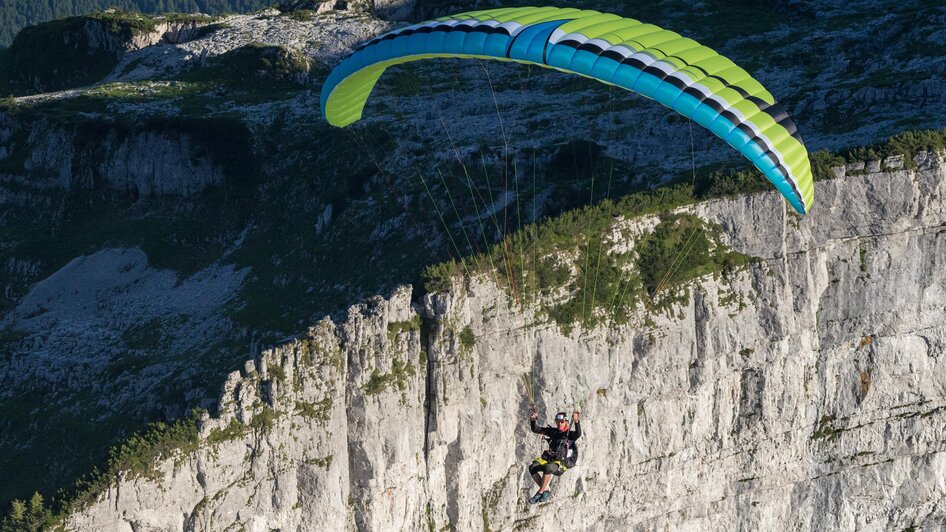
394	9
41	154
153	164
805	392
167	32
100	35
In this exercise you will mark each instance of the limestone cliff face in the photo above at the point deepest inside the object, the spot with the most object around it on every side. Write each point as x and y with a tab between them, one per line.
99	35
169	32
805	392
141	161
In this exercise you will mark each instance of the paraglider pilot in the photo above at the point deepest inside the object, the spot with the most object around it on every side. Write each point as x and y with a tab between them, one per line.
561	454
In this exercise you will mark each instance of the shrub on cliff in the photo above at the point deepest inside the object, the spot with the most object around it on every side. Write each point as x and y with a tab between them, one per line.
28	516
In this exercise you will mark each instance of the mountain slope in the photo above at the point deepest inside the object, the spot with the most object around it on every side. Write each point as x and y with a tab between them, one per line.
198	161
804	390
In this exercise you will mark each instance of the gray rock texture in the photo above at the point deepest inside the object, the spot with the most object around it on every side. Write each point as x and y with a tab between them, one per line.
145	162
112	306
804	392
153	164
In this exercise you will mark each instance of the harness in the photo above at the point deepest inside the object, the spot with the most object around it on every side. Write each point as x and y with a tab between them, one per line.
543	461
567	452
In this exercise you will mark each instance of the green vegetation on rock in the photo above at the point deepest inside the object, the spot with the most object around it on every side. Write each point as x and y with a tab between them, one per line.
28	516
533	264
233	431
536	261
396	328
136	457
906	144
400	372
319	411
682	247
264	419
467	340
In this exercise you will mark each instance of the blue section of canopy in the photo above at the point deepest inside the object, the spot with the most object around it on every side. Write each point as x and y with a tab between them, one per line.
530	43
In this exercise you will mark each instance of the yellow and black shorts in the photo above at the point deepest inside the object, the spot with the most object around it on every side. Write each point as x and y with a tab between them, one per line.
543	465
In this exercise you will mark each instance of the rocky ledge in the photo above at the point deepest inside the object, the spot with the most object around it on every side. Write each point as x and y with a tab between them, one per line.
805	391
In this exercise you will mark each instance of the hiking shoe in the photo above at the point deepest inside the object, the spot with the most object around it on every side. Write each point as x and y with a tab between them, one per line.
535	498
546	497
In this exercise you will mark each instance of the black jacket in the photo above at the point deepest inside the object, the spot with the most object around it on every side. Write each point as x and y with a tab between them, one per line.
559	442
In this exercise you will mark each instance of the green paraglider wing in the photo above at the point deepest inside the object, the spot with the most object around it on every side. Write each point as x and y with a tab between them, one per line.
678	72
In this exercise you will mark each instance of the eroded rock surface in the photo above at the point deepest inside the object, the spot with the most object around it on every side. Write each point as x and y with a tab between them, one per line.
804	392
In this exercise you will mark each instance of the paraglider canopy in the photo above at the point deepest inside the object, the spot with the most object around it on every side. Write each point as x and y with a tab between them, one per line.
678	72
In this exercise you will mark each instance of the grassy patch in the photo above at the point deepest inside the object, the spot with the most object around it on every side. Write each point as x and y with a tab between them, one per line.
825	429
233	431
331	357
276	373
379	382
264	420
396	328
467	340
302	15
136	457
318	411
324	462
604	285
681	248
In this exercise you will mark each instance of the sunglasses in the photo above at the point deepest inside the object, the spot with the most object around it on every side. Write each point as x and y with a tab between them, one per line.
562	420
